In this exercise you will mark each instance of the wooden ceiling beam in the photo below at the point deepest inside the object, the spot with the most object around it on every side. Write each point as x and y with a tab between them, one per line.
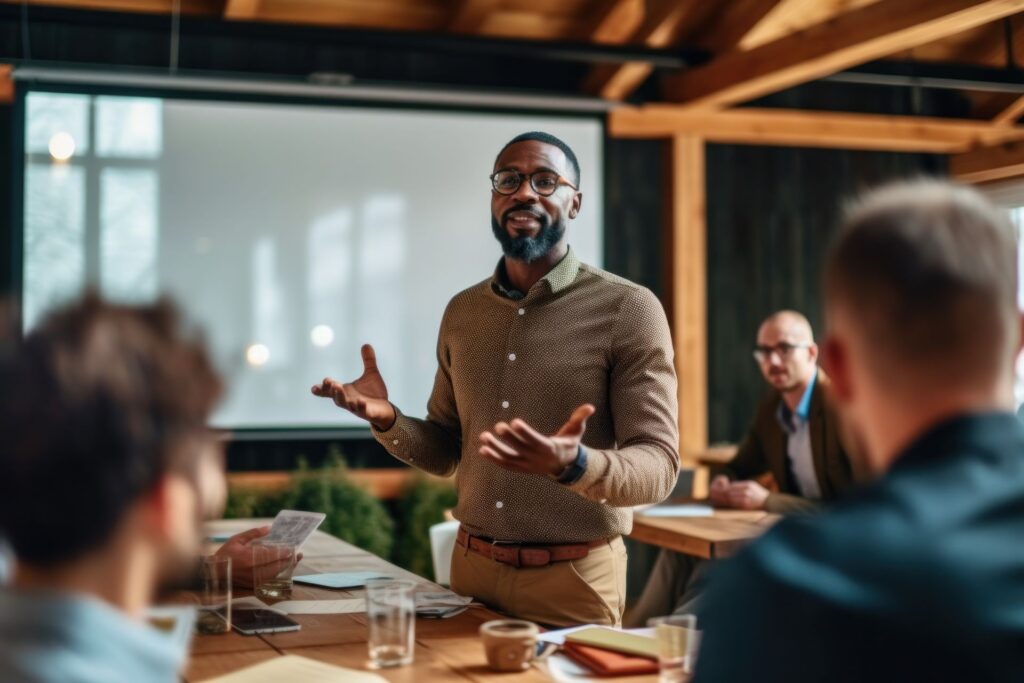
736	19
200	7
799	128
612	22
6	85
985	164
663	21
859	36
1009	116
241	9
469	15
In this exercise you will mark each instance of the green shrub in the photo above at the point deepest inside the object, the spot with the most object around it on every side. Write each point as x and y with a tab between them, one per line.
421	507
352	514
243	503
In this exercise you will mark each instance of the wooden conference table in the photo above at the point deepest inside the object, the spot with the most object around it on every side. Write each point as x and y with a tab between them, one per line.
720	535
446	649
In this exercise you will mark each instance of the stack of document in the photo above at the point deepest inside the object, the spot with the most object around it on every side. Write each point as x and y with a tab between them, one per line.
441	605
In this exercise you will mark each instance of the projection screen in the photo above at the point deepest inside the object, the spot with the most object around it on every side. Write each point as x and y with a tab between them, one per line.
290	233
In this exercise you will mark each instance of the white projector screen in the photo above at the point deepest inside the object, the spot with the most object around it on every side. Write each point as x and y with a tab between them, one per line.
291	233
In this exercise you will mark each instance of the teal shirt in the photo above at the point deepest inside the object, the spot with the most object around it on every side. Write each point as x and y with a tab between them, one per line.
918	576
49	637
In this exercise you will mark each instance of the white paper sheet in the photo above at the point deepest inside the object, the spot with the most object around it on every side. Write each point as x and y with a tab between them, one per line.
341	606
296	668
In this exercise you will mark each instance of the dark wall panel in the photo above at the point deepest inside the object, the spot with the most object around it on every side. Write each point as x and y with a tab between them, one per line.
634	218
771	215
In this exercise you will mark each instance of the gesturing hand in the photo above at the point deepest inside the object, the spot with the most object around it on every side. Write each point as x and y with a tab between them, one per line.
367	397
519	447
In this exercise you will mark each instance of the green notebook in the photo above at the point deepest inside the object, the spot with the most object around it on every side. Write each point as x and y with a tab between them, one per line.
616	641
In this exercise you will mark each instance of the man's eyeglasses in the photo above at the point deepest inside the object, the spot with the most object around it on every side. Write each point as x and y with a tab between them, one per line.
784	349
543	183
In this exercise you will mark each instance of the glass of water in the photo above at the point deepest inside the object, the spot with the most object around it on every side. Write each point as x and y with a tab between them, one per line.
215	600
677	638
272	567
391	615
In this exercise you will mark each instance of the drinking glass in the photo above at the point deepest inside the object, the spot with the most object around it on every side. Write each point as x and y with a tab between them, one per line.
677	646
391	616
272	567
215	599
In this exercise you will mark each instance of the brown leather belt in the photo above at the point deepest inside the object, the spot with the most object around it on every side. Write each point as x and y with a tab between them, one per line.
519	555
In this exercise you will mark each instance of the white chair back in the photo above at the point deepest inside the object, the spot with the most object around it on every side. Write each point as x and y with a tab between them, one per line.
442	544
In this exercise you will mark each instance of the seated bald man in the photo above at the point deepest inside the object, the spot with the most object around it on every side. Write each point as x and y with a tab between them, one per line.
794	437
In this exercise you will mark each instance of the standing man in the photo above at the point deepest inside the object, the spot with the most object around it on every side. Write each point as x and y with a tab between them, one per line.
554	402
920	575
794	436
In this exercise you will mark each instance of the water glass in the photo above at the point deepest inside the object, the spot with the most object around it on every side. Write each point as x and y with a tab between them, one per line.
215	598
391	616
272	567
677	638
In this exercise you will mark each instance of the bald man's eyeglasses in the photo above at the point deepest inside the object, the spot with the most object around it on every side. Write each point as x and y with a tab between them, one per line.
543	183
784	349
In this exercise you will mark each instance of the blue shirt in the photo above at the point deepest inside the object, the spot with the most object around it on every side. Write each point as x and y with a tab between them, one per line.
67	638
797	427
918	576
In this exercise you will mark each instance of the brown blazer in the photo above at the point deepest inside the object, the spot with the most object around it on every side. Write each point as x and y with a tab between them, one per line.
763	450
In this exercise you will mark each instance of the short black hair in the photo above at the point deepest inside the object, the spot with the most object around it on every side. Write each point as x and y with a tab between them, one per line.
96	405
549	139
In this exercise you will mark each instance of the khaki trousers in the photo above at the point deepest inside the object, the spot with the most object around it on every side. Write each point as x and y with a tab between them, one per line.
591	590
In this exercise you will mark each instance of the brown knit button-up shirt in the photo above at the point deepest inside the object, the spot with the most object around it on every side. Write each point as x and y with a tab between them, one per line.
580	335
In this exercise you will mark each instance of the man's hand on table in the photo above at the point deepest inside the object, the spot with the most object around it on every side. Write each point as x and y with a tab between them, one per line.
367	397
519	447
239	549
739	495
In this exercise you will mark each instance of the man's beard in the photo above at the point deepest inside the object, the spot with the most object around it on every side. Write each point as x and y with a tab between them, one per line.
524	247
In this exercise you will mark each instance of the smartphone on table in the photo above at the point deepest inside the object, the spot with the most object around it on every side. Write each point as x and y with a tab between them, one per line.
249	622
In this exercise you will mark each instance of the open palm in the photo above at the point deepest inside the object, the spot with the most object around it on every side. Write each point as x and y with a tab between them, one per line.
366	397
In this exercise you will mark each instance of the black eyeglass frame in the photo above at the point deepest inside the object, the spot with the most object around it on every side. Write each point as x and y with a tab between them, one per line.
784	349
561	181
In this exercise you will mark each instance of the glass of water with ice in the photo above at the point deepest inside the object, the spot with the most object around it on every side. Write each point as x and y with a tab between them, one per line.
391	615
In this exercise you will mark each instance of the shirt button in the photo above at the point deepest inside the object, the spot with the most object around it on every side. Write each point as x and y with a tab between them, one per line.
499	505
395	442
522	311
511	356
504	404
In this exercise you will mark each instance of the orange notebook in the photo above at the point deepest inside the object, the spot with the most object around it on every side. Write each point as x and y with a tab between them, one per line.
608	663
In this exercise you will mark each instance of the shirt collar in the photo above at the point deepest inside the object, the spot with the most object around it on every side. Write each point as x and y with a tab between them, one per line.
558	278
998	432
803	409
80	626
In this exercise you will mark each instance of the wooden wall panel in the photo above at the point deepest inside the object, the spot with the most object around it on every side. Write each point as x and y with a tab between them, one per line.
771	215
